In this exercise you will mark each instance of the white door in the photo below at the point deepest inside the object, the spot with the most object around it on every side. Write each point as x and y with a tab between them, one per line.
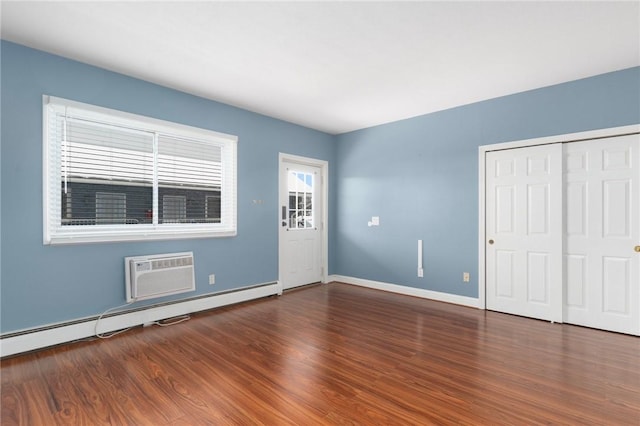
524	231
602	187
301	222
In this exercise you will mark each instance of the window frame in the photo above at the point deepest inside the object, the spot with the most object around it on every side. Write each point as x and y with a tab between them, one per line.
55	233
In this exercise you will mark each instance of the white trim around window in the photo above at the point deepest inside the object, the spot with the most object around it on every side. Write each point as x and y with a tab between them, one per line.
89	150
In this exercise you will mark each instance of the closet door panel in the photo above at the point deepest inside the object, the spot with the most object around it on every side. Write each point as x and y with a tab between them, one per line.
602	222
524	231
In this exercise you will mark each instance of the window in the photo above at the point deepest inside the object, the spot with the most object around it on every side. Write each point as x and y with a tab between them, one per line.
111	207
300	185
212	208
174	208
133	177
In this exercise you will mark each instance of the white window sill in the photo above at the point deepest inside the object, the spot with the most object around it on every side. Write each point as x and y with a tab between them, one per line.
94	236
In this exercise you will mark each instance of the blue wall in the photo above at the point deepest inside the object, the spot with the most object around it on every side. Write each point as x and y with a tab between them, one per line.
418	175
46	284
421	177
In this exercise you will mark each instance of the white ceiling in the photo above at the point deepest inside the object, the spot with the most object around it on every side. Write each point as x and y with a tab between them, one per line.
337	66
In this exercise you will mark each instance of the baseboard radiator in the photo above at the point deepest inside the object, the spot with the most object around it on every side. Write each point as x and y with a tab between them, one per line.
158	275
21	341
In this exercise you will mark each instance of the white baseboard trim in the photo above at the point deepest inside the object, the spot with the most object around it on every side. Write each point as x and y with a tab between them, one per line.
409	291
61	333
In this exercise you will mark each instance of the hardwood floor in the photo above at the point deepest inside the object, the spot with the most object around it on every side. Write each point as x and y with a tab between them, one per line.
333	354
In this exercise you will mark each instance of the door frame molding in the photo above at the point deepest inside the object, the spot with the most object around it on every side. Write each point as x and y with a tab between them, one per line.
482	151
324	167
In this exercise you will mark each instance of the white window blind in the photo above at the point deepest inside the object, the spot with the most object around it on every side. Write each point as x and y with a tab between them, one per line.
94	150
91	152
185	163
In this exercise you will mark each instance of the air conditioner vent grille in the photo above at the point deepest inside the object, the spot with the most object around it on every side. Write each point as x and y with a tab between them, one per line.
148	277
172	262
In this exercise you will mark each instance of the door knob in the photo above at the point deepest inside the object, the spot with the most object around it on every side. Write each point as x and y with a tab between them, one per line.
490	241
637	249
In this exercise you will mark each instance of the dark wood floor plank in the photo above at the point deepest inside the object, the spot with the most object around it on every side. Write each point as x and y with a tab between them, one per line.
332	354
14	404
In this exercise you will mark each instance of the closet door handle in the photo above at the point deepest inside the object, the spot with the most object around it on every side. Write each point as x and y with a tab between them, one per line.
637	249
491	241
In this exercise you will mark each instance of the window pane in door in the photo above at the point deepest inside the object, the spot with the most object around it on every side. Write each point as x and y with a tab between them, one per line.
300	186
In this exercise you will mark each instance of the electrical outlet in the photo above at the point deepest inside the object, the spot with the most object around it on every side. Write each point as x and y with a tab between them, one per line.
212	279
466	277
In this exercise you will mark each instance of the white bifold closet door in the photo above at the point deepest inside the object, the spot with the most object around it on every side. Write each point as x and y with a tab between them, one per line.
602	268
524	231
563	230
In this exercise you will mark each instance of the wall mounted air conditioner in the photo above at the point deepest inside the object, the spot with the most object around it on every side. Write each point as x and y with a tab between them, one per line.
158	275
